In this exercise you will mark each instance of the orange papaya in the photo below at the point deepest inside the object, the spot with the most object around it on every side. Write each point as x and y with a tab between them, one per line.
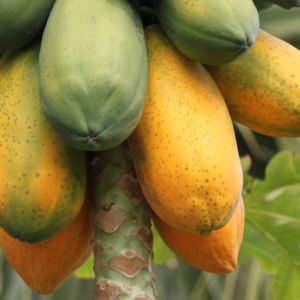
184	148
262	89
44	266
42	179
216	253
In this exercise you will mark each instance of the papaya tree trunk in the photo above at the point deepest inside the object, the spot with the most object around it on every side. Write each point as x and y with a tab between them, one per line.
123	239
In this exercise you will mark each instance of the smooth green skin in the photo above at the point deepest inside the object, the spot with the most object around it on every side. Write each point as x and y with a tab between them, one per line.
93	72
122	240
262	5
37	199
210	32
287	4
21	21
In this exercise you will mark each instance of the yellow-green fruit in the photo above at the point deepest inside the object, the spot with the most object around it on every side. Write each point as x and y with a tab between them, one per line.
42	184
93	72
184	147
21	21
209	31
262	89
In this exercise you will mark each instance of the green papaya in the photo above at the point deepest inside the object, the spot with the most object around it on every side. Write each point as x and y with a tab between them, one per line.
287	4
210	32
93	72
262	5
42	179
21	21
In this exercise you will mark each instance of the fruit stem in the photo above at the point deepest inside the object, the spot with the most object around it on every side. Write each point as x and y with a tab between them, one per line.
123	239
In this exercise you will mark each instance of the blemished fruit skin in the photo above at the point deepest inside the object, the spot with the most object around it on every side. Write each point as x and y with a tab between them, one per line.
93	72
184	147
287	4
216	253
210	32
262	5
44	266
21	21
262	89
42	183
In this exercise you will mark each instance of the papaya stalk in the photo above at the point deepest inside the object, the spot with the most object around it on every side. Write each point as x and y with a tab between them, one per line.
123	239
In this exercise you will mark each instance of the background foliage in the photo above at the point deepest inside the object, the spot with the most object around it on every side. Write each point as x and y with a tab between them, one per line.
269	260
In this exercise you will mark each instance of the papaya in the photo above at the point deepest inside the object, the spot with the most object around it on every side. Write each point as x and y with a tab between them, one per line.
42	179
262	89
21	21
181	142
216	253
93	72
287	4
262	5
44	266
210	32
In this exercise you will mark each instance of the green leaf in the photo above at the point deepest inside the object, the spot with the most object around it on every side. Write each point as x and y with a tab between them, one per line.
286	283
162	254
247	179
254	244
289	144
246	163
272	219
282	170
86	270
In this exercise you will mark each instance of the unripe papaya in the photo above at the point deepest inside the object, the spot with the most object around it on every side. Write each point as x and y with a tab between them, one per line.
184	147
210	32
21	21
262	89
216	253
42	179
44	266
93	72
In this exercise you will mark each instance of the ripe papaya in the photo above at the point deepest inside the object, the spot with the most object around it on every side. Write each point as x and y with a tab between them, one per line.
287	4
44	266
93	72
210	32
42	179
184	147
262	89
21	21
216	253
262	5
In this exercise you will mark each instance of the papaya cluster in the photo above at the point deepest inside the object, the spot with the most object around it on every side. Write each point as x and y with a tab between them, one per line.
168	77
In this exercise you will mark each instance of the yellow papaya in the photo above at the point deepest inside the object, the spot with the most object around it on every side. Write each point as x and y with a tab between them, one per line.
216	253
44	266
42	179
184	147
262	89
